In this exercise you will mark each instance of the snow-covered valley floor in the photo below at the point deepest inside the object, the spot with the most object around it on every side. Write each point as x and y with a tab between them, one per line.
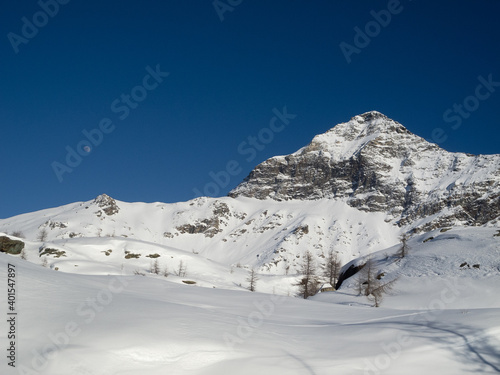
440	319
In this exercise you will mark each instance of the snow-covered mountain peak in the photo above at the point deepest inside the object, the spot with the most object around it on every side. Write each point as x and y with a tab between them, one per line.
370	115
368	130
375	164
368	123
373	122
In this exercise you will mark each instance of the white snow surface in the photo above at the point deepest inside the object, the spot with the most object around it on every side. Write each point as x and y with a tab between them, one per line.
440	318
94	316
264	234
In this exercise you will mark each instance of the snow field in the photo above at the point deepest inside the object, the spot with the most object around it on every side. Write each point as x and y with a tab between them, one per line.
441	321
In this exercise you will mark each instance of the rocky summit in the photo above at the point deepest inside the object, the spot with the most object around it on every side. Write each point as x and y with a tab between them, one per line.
375	164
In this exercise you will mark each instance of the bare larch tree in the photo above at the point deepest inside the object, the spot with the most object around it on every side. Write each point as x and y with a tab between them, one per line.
308	284
332	268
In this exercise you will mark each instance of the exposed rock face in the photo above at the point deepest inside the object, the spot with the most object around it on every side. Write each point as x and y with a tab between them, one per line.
376	164
107	204
351	271
209	226
49	251
10	246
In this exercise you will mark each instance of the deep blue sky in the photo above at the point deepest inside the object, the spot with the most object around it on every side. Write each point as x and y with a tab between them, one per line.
225	79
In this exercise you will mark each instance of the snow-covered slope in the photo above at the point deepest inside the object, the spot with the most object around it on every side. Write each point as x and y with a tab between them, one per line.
268	235
466	260
440	319
352	190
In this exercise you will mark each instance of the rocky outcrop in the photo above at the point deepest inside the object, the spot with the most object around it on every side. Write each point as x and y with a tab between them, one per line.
208	226
376	164
350	271
10	246
106	204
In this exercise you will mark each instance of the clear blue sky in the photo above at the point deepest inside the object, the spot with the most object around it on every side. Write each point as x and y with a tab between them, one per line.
225	78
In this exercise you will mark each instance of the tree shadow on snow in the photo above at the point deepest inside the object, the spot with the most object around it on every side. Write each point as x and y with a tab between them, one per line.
470	345
303	363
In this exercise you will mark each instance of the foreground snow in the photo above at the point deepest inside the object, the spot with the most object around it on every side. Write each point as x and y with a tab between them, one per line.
441	320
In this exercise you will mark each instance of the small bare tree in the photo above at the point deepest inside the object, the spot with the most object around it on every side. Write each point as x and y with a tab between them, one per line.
45	263
252	280
367	276
332	268
165	271
359	283
308	284
370	284
181	271
404	248
379	289
155	267
42	235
